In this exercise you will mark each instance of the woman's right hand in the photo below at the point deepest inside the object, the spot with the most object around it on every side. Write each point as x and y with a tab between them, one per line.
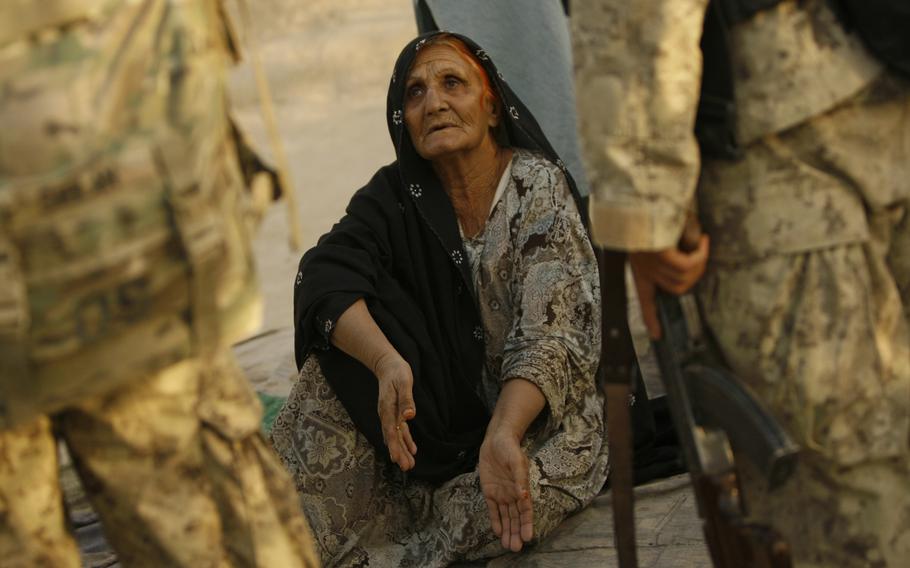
396	407
357	334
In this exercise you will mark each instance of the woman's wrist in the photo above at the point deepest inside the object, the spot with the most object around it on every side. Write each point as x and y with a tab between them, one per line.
504	427
386	360
519	404
357	334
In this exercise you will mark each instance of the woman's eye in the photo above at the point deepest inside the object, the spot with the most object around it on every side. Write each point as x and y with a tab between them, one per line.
452	82
415	91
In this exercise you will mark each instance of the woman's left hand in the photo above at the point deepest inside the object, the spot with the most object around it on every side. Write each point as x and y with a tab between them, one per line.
396	407
504	481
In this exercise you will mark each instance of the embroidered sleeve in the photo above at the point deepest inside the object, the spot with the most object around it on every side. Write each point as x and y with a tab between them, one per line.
555	334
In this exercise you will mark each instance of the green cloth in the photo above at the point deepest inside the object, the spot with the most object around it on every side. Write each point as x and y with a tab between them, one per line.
270	407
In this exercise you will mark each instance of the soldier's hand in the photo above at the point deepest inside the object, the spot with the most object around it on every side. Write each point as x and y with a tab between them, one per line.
396	407
671	270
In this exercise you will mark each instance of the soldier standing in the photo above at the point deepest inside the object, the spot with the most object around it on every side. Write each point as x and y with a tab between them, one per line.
125	273
807	286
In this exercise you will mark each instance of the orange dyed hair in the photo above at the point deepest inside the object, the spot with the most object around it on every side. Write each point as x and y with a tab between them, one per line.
470	58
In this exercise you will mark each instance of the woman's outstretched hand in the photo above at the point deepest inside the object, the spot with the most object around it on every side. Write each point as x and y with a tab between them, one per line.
503	466
396	407
504	481
357	334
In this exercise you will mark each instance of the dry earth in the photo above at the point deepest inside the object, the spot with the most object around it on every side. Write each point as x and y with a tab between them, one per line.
328	63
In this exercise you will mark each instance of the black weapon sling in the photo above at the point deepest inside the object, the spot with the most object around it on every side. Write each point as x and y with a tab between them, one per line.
617	371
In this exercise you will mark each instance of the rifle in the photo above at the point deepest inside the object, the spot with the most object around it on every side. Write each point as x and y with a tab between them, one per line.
713	412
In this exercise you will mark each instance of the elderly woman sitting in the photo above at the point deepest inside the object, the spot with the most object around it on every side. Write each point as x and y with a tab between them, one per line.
448	333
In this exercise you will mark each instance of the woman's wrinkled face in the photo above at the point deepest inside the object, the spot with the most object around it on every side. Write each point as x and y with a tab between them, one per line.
446	108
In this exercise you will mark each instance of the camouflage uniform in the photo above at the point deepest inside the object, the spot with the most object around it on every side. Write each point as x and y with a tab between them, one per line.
809	274
125	273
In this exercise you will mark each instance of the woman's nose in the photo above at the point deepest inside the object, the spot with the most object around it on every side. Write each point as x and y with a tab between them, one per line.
435	101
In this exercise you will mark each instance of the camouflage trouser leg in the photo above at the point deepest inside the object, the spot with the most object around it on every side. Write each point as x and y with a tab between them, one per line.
33	529
821	337
180	475
839	517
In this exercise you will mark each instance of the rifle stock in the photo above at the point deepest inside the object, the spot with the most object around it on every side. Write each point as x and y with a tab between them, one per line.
719	401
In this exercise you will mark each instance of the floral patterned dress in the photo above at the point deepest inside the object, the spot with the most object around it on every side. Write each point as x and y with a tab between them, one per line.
537	288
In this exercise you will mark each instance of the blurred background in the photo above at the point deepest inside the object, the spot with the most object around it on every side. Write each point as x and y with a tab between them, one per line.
328	63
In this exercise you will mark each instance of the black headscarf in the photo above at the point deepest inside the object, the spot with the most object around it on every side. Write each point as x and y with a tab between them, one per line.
399	248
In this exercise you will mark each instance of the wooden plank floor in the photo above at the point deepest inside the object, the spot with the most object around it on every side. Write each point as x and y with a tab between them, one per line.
668	530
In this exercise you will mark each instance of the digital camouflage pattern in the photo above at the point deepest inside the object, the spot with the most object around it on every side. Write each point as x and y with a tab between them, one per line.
863	525
123	217
638	72
833	310
125	273
174	465
808	279
33	530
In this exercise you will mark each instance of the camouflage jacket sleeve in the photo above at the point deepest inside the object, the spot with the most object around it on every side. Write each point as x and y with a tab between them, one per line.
638	71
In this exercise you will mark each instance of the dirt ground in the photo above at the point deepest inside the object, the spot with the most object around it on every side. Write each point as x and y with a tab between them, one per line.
328	63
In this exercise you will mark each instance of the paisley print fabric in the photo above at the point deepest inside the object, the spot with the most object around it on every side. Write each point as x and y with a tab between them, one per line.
536	286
